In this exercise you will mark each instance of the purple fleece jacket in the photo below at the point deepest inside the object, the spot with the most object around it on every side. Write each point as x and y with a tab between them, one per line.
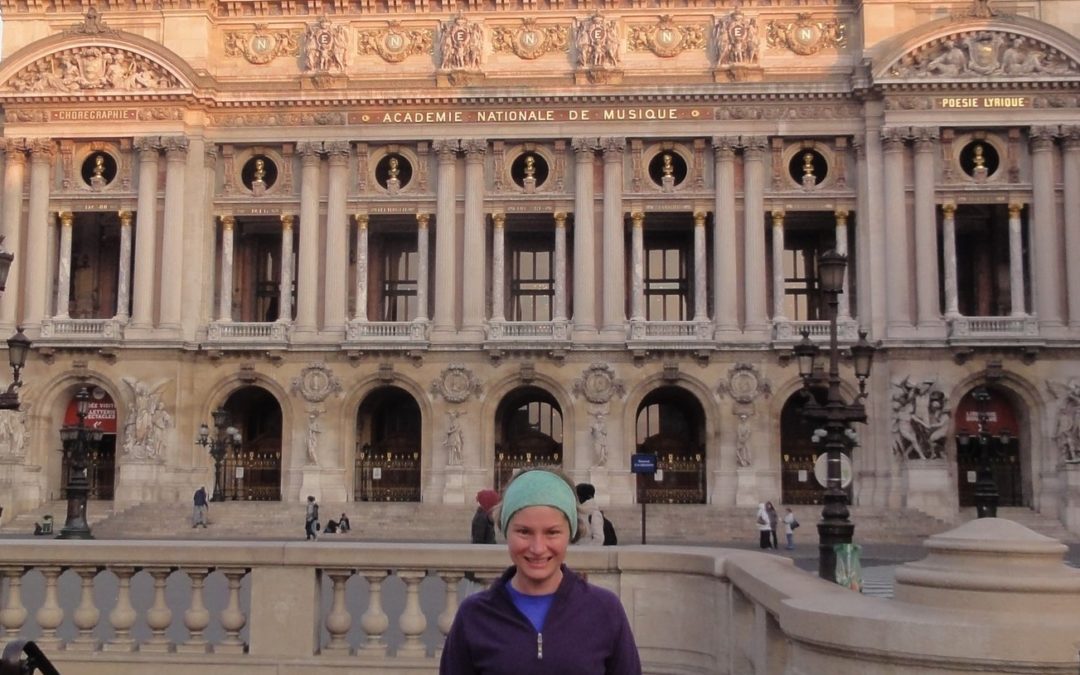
586	632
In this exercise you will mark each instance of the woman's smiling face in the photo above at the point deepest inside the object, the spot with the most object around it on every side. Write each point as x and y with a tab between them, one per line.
537	539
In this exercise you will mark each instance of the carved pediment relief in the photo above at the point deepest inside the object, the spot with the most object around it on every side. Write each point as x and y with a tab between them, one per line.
530	40
665	38
262	45
92	69
395	43
983	54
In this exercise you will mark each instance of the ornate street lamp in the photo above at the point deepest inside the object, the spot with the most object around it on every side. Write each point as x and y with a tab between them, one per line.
226	437
78	441
18	346
986	489
835	416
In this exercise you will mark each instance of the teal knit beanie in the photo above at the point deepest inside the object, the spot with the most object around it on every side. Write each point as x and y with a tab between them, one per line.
539	488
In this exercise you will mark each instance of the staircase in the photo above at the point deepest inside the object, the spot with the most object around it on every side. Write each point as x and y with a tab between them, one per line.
96	512
1033	520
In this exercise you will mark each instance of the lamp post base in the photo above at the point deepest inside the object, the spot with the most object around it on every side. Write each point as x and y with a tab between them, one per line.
834	528
75	526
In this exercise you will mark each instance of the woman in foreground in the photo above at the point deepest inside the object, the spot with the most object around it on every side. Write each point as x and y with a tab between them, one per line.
540	617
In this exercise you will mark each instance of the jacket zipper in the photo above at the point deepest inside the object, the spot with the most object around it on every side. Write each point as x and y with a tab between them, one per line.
539	646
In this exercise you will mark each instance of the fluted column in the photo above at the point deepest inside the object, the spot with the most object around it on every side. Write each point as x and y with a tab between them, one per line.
754	233
498	266
225	297
472	290
360	313
145	234
778	264
123	281
926	258
37	238
560	267
614	254
725	244
1016	260
637	266
172	263
285	295
844	309
14	176
423	270
948	247
1045	244
337	239
700	268
307	286
1071	176
584	236
445	239
898	301
63	276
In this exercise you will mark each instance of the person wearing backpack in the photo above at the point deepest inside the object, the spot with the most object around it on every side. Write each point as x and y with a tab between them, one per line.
594	517
311	519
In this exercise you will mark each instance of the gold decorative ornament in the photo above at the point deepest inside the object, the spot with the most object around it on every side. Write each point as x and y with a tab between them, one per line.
665	38
261	46
804	36
395	43
530	40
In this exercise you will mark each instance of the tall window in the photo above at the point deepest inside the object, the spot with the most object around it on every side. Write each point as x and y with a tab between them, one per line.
667	278
400	264
984	284
257	271
803	300
532	278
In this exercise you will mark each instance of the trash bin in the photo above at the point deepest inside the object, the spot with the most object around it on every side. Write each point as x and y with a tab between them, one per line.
849	566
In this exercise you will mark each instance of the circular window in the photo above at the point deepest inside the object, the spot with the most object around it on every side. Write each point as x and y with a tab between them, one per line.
99	169
667	165
808	167
979	159
260	171
393	171
529	165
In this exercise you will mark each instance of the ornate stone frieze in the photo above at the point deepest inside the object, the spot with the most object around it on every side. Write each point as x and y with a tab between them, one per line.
597	43
983	53
1067	428
461	44
147	423
598	384
805	36
665	38
744	384
13	434
283	119
262	45
920	419
793	110
456	383
737	40
530	40
326	47
395	43
316	383
91	69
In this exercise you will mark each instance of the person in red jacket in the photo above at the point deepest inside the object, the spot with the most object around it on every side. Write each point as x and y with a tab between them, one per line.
540	617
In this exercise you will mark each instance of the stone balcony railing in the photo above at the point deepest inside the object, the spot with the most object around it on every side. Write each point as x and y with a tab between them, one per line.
670	335
847	330
387	334
977	604
75	332
527	334
248	334
993	327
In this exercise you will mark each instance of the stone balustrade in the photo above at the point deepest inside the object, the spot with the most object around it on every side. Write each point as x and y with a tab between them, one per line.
122	607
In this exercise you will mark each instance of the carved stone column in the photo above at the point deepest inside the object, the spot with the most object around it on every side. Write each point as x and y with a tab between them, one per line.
1046	261
360	312
498	266
584	240
14	176
337	240
1071	175
37	248
725	246
142	313
172	262
123	283
754	233
700	268
63	276
422	266
472	291
285	295
307	286
844	309
948	247
559	313
778	264
226	289
898	301
1016	261
614	254
445	239
926	259
637	266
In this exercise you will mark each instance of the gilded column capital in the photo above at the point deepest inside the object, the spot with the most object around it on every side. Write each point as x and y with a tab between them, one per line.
125	218
949	209
422	220
841	216
699	218
498	219
362	220
287	220
1014	209
560	219
778	216
228	222
67	219
637	219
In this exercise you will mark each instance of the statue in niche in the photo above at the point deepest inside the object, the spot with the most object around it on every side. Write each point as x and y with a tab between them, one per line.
462	43
97	176
736	37
920	420
314	429
530	167
597	43
808	177
326	47
12	433
258	177
393	183
598	431
1067	428
743	453
455	441
144	430
669	166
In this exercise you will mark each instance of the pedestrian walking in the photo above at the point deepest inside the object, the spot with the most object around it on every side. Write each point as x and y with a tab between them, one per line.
311	519
774	521
483	527
790	523
764	531
540	617
200	508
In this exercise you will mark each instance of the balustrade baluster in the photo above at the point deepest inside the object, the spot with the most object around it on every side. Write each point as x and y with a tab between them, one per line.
159	616
122	617
197	617
339	621
446	618
13	615
232	619
50	615
374	621
412	621
86	615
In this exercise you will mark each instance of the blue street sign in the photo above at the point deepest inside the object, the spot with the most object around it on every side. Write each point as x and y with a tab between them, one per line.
641	462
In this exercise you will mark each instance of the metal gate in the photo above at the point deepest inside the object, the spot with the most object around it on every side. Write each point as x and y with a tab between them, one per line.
388	471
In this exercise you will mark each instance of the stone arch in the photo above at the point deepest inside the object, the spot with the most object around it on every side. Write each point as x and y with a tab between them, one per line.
493	398
887	55
359	471
354	398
